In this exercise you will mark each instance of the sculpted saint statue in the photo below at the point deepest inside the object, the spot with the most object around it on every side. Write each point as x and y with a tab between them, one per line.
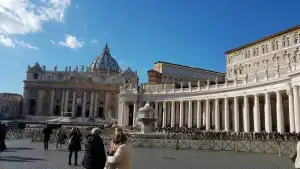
190	84
69	68
66	68
82	68
76	68
198	83
55	68
44	67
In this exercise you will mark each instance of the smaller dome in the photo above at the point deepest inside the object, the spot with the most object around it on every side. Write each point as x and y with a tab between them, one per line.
105	62
128	72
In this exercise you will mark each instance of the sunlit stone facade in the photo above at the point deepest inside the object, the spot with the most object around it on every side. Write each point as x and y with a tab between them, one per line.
10	105
260	93
77	92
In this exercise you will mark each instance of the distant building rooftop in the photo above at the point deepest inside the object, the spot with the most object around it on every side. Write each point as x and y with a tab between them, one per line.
189	67
263	39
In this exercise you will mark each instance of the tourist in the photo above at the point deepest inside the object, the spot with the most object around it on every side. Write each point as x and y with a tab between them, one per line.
60	138
47	131
3	131
94	157
120	152
74	144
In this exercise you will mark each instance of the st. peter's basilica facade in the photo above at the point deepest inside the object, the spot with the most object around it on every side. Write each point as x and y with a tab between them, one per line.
83	92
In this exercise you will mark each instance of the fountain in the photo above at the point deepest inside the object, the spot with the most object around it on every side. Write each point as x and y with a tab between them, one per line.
147	118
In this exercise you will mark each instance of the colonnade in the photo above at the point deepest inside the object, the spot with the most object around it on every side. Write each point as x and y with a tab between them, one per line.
265	111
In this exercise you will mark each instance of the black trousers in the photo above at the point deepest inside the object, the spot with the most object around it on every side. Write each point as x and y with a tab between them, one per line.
75	156
46	142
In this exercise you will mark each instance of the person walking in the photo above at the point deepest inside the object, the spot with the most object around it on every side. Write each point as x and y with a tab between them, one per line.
60	138
122	152
3	131
94	157
47	131
74	144
296	156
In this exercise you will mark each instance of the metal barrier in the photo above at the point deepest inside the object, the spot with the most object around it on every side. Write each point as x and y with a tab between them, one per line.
180	142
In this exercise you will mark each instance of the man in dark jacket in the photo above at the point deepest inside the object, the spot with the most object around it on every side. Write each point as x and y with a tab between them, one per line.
94	157
47	131
3	131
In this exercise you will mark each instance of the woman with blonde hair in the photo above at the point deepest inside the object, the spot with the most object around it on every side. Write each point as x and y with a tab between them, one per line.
120	152
74	144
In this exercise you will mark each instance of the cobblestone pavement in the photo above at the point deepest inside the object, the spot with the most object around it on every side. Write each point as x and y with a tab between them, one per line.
22	154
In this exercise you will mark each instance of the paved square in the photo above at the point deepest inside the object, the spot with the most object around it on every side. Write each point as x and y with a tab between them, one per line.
22	154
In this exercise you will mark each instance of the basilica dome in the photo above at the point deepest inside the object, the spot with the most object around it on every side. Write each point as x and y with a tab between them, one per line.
105	62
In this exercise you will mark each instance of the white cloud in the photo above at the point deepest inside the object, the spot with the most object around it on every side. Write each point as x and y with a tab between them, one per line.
20	17
94	41
52	42
77	6
26	45
71	42
7	42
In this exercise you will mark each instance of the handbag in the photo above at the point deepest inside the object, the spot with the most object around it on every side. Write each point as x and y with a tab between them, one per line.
293	157
109	166
70	140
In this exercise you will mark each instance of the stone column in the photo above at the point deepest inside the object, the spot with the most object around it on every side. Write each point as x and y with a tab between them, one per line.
62	103
226	113
217	115
73	103
181	114
156	113
135	107
83	105
40	103
95	104
173	114
25	102
207	116
198	113
92	105
296	108
51	102
190	119
279	113
236	115
268	122
120	114
66	101
291	111
246	115
256	114
164	122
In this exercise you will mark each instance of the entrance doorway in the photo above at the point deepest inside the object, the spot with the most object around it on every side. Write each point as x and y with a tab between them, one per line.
32	105
100	112
78	111
56	110
87	113
130	115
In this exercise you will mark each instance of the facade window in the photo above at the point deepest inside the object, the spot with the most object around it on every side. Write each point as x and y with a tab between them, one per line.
254	52
264	49
296	38
247	54
35	76
274	45
284	42
288	41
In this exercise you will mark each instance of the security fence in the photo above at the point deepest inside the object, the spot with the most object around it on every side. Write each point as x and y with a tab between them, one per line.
177	141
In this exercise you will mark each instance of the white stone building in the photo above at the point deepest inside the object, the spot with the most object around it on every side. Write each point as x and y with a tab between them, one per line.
260	93
10	105
79	92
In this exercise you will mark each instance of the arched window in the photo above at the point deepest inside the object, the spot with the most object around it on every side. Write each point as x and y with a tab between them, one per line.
35	76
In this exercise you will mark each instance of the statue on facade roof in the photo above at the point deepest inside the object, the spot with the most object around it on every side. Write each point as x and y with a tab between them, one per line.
198	84
87	69
55	68
76	68
28	67
181	84
69	68
66	68
190	84
216	80
82	68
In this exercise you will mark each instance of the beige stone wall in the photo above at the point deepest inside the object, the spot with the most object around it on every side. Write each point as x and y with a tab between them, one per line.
10	105
281	50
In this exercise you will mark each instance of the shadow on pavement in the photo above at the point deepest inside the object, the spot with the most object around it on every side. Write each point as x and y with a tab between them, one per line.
19	159
19	148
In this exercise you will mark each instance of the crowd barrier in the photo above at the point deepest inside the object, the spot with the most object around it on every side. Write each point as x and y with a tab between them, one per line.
178	141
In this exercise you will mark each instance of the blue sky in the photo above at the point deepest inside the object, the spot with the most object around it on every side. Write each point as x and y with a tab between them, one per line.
139	32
